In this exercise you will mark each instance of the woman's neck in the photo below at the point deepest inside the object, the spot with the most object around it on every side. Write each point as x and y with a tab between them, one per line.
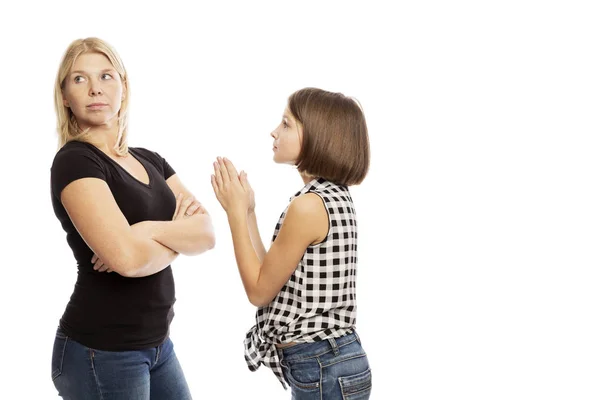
105	138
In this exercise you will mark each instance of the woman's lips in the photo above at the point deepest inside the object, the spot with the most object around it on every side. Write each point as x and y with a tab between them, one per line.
96	106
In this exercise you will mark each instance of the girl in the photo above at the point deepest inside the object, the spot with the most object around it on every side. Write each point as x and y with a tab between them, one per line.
124	210
305	285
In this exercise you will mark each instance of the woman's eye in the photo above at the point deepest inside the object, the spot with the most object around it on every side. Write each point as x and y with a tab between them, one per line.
106	76
78	79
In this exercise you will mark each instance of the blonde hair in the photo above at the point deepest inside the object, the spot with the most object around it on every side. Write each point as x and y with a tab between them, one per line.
66	124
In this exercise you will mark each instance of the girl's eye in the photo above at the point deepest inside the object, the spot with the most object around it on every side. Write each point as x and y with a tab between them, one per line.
285	125
106	76
78	79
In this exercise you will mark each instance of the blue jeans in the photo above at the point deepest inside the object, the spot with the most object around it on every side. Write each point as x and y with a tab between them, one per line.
82	373
332	369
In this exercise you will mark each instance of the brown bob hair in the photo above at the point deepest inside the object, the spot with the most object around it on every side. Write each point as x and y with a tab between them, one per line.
335	140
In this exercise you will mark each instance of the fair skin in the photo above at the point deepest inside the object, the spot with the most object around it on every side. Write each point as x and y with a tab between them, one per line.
94	91
306	222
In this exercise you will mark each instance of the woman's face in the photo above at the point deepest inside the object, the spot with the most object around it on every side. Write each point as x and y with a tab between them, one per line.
93	91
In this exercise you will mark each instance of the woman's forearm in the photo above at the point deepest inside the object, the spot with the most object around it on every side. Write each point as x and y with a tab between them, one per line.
156	258
145	255
189	236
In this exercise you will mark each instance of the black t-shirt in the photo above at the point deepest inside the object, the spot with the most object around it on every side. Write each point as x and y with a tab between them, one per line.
108	311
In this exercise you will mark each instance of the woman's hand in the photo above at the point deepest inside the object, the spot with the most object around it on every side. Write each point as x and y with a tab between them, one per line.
187	207
235	197
99	265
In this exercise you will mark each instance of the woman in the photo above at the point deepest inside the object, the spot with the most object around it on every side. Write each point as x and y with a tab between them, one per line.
124	210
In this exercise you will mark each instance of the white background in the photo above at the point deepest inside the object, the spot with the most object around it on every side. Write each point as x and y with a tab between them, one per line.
479	219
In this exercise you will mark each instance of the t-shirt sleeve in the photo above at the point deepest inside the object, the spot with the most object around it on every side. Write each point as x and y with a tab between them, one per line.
167	169
157	160
71	164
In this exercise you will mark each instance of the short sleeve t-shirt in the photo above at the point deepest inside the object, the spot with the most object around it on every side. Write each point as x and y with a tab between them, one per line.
108	311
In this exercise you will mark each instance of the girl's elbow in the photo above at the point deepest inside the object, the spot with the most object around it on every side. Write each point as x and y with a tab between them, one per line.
258	300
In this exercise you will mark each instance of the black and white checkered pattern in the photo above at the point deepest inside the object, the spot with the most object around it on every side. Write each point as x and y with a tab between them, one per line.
319	300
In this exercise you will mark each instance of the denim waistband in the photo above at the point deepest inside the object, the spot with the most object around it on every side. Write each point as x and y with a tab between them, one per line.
313	349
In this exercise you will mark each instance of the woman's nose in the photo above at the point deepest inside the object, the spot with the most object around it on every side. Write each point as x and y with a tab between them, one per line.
95	89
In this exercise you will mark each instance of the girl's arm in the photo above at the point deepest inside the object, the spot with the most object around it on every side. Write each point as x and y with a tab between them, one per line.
257	242
306	222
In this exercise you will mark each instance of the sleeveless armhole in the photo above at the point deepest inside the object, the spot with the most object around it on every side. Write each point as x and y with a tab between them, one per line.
324	202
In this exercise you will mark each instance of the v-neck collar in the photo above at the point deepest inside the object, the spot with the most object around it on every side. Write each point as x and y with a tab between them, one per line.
148	185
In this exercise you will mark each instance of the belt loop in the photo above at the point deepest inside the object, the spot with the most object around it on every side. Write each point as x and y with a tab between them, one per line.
357	337
334	346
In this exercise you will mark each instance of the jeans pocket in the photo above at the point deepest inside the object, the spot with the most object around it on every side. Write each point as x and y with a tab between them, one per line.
356	387
58	354
304	375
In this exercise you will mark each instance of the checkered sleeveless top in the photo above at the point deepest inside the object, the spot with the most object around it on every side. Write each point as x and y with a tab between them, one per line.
318	301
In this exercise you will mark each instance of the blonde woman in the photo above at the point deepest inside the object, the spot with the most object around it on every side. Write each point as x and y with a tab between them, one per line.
127	216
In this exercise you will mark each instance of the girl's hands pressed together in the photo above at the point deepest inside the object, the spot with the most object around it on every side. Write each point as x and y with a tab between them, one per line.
232	189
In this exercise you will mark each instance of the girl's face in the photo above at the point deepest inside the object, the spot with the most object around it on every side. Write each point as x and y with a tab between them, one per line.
93	90
287	140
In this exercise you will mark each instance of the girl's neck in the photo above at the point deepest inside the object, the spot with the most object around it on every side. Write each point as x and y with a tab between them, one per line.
306	178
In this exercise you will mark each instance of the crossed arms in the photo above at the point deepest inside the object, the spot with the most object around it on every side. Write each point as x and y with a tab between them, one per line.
141	249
